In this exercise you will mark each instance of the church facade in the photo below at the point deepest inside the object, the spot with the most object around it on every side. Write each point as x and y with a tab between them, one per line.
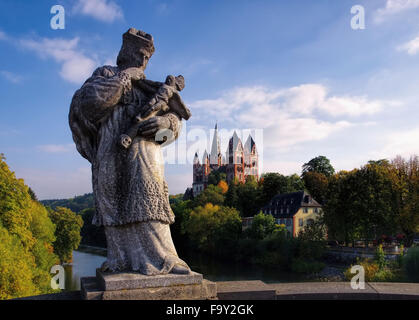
239	162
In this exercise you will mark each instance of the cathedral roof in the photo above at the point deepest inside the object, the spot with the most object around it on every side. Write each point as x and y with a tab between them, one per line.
236	141
248	146
205	157
215	149
195	158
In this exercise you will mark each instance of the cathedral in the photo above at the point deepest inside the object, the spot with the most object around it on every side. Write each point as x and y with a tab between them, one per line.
239	162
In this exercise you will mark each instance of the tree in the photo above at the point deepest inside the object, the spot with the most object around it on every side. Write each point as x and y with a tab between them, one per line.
32	194
212	194
315	231
216	176
361	203
26	240
67	232
316	184
262	226
273	183
248	197
16	268
91	234
232	197
406	182
213	227
223	186
319	164
182	211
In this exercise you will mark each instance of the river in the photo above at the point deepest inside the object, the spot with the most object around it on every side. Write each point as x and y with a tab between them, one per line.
86	260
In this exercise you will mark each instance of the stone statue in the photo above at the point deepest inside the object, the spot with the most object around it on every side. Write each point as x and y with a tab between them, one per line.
167	96
131	195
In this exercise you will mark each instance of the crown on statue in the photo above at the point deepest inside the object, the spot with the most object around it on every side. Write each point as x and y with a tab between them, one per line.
138	40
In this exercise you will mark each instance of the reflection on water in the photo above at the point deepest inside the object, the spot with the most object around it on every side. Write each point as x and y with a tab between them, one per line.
232	271
85	263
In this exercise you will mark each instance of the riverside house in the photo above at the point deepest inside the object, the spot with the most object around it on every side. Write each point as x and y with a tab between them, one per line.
295	210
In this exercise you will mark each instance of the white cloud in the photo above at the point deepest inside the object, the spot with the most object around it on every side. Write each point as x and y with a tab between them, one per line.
75	68
57	148
289	132
404	143
411	47
103	10
393	7
11	77
265	105
291	117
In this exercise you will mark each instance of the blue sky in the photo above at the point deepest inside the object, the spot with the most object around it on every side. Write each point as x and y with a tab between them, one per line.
293	70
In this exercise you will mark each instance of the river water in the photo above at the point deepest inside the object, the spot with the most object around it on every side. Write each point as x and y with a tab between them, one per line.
85	262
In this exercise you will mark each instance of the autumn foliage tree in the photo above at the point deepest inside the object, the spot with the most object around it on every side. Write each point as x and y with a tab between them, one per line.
68	225
26	238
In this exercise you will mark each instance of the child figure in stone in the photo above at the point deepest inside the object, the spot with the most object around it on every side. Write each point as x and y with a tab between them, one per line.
166	97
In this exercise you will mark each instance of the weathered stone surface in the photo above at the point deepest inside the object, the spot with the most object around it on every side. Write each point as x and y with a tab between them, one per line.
322	291
204	290
135	280
392	290
131	194
245	290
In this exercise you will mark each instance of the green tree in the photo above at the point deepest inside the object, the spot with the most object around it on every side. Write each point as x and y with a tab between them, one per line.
216	176
262	226
16	268
67	232
212	228
316	184
182	211
273	183
315	231
232	197
91	234
212	194
319	164
406	201
248	199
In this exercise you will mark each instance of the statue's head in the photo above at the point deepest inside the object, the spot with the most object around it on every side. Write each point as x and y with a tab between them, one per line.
137	48
177	82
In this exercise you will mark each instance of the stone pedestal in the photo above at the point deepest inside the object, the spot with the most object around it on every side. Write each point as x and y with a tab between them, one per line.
136	286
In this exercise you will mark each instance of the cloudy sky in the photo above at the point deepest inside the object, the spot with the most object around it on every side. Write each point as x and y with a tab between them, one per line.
293	73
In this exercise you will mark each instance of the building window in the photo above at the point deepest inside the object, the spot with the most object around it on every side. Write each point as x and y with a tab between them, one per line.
288	210
300	222
305	210
316	210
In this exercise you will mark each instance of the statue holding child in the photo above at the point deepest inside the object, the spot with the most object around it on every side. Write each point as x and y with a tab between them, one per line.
131	195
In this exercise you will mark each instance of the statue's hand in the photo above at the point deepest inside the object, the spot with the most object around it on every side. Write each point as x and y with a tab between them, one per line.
149	128
134	73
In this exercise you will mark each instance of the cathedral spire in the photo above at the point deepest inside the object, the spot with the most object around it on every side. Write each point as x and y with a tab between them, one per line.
215	148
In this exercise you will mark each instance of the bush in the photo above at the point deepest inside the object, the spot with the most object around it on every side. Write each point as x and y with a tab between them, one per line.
411	264
380	257
370	268
300	265
387	275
